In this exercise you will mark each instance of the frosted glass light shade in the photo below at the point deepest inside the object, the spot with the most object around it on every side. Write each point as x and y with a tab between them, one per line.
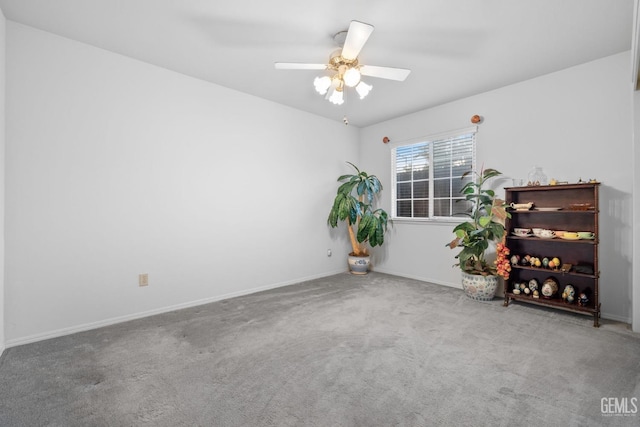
351	77
322	84
363	89
337	97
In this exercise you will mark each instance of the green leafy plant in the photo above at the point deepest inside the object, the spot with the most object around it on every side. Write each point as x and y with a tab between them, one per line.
486	224
354	203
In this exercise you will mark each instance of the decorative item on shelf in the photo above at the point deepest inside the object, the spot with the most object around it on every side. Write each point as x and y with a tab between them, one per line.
535	261
536	294
584	268
485	225
554	263
583	300
565	268
516	288
537	177
533	284
521	206
580	206
554	181
549	287
570	235
546	234
521	232
569	294
586	235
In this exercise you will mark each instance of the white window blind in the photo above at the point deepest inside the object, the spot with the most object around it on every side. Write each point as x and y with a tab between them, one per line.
427	174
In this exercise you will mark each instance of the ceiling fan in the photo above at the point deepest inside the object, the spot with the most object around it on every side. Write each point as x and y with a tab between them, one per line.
344	67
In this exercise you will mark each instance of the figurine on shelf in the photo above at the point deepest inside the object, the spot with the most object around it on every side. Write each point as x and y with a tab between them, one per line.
549	287
583	300
537	177
515	259
554	263
569	294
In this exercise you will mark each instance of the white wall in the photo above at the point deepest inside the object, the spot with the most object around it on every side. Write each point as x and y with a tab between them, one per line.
635	57
575	123
636	213
2	173
116	167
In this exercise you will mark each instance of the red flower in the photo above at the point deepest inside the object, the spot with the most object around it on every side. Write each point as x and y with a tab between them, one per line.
503	265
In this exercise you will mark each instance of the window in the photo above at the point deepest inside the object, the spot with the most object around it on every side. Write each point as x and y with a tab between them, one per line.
427	174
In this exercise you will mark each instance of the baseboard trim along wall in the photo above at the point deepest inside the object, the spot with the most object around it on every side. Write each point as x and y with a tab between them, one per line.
112	321
603	314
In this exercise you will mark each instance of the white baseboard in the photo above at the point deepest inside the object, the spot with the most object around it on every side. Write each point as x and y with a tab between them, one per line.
459	286
422	279
615	318
114	320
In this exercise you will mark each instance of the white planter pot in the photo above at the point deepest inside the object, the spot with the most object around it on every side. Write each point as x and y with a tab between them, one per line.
478	287
359	264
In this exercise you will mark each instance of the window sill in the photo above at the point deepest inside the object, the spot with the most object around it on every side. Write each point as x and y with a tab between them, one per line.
434	221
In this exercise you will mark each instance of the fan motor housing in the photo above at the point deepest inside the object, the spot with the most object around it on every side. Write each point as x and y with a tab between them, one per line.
336	61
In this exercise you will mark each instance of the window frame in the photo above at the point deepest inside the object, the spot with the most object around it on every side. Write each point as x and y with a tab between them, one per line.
429	139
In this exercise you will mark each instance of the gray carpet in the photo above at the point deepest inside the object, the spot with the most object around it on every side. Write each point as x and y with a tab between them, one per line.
346	350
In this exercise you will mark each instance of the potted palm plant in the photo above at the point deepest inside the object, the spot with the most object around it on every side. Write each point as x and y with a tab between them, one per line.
354	203
485	225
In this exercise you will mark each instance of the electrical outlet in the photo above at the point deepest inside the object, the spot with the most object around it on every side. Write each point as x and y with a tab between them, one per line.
143	279
328	252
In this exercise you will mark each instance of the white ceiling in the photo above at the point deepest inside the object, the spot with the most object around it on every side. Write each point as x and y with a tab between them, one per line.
455	48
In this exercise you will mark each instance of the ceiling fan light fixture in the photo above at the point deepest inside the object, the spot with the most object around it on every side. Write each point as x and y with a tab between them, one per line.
344	67
337	96
363	89
351	77
322	84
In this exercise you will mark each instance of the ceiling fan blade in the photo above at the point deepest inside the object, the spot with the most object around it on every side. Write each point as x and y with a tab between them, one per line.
298	66
398	74
357	36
